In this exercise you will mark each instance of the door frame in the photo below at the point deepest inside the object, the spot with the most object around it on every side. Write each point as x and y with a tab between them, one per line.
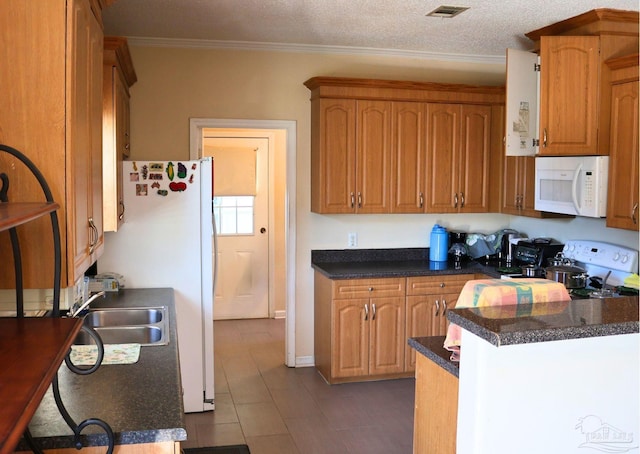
196	126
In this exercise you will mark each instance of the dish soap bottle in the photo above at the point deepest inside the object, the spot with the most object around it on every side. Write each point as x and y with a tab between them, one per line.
438	244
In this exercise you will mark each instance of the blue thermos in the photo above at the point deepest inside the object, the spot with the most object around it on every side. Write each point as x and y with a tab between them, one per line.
438	246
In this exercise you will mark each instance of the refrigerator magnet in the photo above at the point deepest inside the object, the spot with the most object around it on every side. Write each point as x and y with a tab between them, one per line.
145	172
182	170
177	186
141	189
170	173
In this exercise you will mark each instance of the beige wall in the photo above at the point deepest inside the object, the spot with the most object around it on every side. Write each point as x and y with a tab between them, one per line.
175	84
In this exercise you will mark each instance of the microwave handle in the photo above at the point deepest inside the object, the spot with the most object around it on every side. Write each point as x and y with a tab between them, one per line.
574	188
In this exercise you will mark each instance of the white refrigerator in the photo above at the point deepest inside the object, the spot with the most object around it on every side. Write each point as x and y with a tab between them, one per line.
167	241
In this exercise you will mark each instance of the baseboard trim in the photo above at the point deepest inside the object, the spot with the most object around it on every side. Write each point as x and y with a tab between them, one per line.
280	314
305	361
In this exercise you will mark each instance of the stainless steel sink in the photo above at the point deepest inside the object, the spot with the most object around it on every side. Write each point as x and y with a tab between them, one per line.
143	335
147	326
126	316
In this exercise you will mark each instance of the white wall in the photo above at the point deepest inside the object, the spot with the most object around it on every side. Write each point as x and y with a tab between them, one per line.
175	84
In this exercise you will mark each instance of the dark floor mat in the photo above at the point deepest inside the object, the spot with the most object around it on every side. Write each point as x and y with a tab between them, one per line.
235	449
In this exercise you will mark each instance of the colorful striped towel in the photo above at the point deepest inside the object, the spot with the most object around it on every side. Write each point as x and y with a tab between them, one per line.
505	292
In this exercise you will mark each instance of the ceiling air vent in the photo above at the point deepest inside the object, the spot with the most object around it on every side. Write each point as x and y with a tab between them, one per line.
447	11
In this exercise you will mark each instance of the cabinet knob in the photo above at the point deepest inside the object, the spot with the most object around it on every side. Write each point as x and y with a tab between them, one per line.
370	289
442	284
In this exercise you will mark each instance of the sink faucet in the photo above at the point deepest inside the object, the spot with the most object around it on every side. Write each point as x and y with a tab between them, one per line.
75	310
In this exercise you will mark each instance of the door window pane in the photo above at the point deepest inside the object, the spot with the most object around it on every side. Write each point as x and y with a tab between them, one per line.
233	215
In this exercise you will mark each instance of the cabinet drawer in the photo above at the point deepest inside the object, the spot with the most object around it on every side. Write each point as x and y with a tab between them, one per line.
427	285
368	288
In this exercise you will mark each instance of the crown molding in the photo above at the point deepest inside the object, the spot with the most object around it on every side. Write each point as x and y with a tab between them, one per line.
311	49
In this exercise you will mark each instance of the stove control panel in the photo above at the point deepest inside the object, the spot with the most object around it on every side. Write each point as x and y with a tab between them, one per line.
602	254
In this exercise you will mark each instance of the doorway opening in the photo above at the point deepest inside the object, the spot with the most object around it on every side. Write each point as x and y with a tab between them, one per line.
282	195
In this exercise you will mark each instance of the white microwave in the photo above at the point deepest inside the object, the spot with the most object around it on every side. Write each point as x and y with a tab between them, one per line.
572	185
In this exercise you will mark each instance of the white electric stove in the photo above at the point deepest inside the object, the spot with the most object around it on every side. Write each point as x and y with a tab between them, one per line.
601	259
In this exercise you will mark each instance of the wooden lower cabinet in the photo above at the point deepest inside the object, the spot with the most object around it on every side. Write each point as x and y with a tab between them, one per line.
164	447
436	409
359	328
428	299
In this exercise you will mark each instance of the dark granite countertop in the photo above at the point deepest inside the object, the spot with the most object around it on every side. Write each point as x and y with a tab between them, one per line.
543	322
432	348
380	263
142	402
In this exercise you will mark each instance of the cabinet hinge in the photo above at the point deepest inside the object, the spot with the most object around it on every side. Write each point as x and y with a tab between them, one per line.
535	142
536	67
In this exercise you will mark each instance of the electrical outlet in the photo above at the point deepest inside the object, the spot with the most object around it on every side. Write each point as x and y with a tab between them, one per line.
352	240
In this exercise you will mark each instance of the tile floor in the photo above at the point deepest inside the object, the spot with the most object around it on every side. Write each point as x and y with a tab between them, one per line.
279	410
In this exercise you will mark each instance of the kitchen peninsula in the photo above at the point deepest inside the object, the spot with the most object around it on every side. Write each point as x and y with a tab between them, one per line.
547	377
142	402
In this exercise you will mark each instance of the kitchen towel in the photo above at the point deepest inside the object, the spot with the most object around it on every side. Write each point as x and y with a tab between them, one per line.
86	355
488	293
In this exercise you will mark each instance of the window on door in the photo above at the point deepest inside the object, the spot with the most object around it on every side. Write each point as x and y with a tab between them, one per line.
233	215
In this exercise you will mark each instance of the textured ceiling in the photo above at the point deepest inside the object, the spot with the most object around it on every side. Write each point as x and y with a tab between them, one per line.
486	29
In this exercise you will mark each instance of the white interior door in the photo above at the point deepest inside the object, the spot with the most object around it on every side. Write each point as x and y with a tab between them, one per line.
242	289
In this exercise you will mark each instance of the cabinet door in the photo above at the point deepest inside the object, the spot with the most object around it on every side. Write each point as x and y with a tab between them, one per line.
436	409
443	157
350	343
115	147
408	163
421	321
527	175
84	135
333	156
569	85
511	193
387	336
373	156
622	203
475	152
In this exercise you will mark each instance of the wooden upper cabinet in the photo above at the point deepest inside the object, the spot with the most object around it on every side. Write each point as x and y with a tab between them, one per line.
622	203
519	186
85	126
118	76
458	156
475	158
371	139
408	153
575	89
373	157
333	155
53	114
569	87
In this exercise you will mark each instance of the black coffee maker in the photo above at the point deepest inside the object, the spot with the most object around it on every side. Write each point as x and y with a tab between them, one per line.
458	245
